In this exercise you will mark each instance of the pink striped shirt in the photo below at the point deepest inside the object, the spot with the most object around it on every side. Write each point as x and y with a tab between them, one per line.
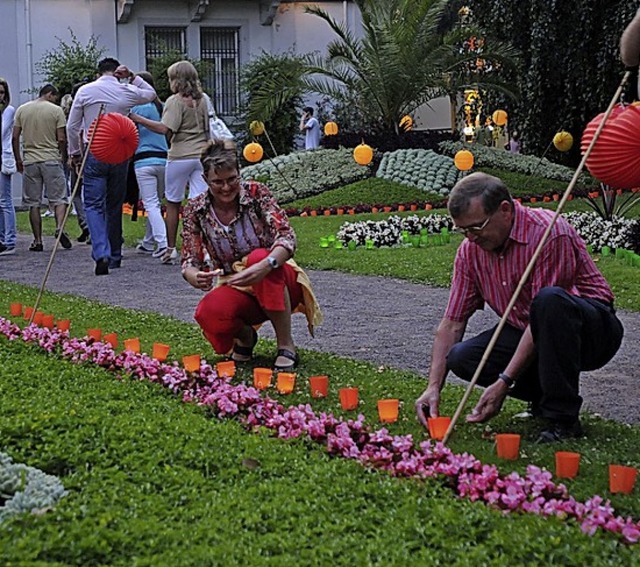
481	276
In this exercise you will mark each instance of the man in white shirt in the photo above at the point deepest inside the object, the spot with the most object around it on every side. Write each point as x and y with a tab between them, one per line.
311	127
104	185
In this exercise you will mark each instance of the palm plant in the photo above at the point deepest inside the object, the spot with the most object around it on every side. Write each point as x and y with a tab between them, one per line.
403	60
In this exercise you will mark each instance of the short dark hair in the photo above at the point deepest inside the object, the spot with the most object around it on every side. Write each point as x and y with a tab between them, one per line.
108	65
308	109
147	77
7	95
48	89
490	189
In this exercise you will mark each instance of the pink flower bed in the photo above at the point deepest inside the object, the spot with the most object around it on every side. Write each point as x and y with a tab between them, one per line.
352	439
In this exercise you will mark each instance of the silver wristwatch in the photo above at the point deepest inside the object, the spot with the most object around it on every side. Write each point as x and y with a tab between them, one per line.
272	262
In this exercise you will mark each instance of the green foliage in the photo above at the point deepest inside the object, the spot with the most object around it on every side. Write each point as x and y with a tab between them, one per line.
559	93
274	88
159	65
70	63
301	174
522	184
425	169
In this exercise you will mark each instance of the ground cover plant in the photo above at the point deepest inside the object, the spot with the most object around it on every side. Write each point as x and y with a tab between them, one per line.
146	473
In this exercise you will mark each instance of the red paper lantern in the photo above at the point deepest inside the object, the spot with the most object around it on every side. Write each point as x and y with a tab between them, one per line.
115	140
615	157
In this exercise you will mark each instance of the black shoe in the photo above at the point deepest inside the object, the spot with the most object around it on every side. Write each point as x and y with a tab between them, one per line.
113	264
559	431
102	267
64	240
36	247
84	237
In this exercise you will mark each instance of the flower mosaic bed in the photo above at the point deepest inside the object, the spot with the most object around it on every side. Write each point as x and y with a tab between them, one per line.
399	455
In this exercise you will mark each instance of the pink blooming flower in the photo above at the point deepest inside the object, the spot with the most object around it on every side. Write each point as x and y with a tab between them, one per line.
352	439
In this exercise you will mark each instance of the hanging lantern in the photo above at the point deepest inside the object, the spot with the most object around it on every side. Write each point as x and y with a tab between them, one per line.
253	152
363	154
406	123
256	128
115	140
463	160
330	129
615	157
499	117
563	141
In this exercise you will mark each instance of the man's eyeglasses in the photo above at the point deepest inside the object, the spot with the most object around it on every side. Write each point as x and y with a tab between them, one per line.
220	183
475	228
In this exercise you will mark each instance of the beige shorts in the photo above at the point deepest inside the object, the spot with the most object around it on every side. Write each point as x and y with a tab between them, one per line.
44	174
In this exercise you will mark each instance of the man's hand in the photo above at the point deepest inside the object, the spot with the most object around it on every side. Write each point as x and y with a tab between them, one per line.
19	165
427	404
253	274
490	403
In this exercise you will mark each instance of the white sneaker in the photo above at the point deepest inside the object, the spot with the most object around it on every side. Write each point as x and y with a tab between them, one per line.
47	213
159	252
6	251
143	249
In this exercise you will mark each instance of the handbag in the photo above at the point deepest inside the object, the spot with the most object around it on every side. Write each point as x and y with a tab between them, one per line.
217	128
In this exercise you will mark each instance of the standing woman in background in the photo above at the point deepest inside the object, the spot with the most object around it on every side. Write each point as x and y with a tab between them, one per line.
185	123
7	210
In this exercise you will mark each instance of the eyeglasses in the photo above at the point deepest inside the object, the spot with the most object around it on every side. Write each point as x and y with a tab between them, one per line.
220	183
475	228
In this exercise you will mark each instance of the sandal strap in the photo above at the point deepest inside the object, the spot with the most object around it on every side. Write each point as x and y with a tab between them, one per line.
293	356
247	350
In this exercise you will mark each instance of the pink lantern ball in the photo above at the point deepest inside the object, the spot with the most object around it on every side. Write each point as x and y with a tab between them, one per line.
115	140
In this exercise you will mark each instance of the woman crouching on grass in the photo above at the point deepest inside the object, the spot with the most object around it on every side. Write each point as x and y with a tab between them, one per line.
249	243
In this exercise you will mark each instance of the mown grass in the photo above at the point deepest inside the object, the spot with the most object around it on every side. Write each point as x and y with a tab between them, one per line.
153	481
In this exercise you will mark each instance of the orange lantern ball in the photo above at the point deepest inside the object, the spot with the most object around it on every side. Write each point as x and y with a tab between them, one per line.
256	128
115	139
253	152
406	123
499	117
463	160
363	154
330	129
563	141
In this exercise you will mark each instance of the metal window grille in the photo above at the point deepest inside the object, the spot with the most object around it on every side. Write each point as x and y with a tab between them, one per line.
219	47
160	40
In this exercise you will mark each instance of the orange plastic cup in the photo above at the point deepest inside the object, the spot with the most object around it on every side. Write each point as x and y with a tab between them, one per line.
28	311
63	324
191	362
285	382
37	318
622	479
567	464
508	446
319	386
15	309
160	351
112	339
48	321
132	345
438	427
348	398
95	334
262	378
388	410
226	368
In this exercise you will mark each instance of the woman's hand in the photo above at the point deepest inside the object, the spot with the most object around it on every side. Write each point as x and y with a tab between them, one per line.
252	275
200	279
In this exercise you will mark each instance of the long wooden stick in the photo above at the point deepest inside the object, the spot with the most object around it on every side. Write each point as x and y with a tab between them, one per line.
66	216
529	268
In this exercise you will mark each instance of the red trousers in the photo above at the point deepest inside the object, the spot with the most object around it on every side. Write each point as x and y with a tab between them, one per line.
225	311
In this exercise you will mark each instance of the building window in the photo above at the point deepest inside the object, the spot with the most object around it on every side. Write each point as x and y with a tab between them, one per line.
219	47
160	40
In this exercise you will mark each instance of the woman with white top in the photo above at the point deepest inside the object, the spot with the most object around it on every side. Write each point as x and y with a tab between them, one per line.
7	210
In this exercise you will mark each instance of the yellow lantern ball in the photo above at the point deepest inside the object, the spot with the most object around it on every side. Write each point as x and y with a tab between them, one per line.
563	141
463	160
330	129
363	154
253	152
256	128
499	117
406	123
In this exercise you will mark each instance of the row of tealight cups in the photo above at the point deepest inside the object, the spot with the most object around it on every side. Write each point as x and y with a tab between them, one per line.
621	478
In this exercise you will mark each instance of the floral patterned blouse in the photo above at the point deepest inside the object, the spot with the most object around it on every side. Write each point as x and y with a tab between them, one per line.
260	223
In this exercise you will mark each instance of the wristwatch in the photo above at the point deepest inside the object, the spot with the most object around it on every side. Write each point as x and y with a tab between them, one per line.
510	382
273	262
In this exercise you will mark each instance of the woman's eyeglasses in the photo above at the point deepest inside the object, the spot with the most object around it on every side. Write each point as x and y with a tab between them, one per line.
220	183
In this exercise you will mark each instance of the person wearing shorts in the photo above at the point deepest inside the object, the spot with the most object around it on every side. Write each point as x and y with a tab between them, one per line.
41	124
185	122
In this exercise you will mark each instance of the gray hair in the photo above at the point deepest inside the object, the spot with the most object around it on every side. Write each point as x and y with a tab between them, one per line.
490	189
218	155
